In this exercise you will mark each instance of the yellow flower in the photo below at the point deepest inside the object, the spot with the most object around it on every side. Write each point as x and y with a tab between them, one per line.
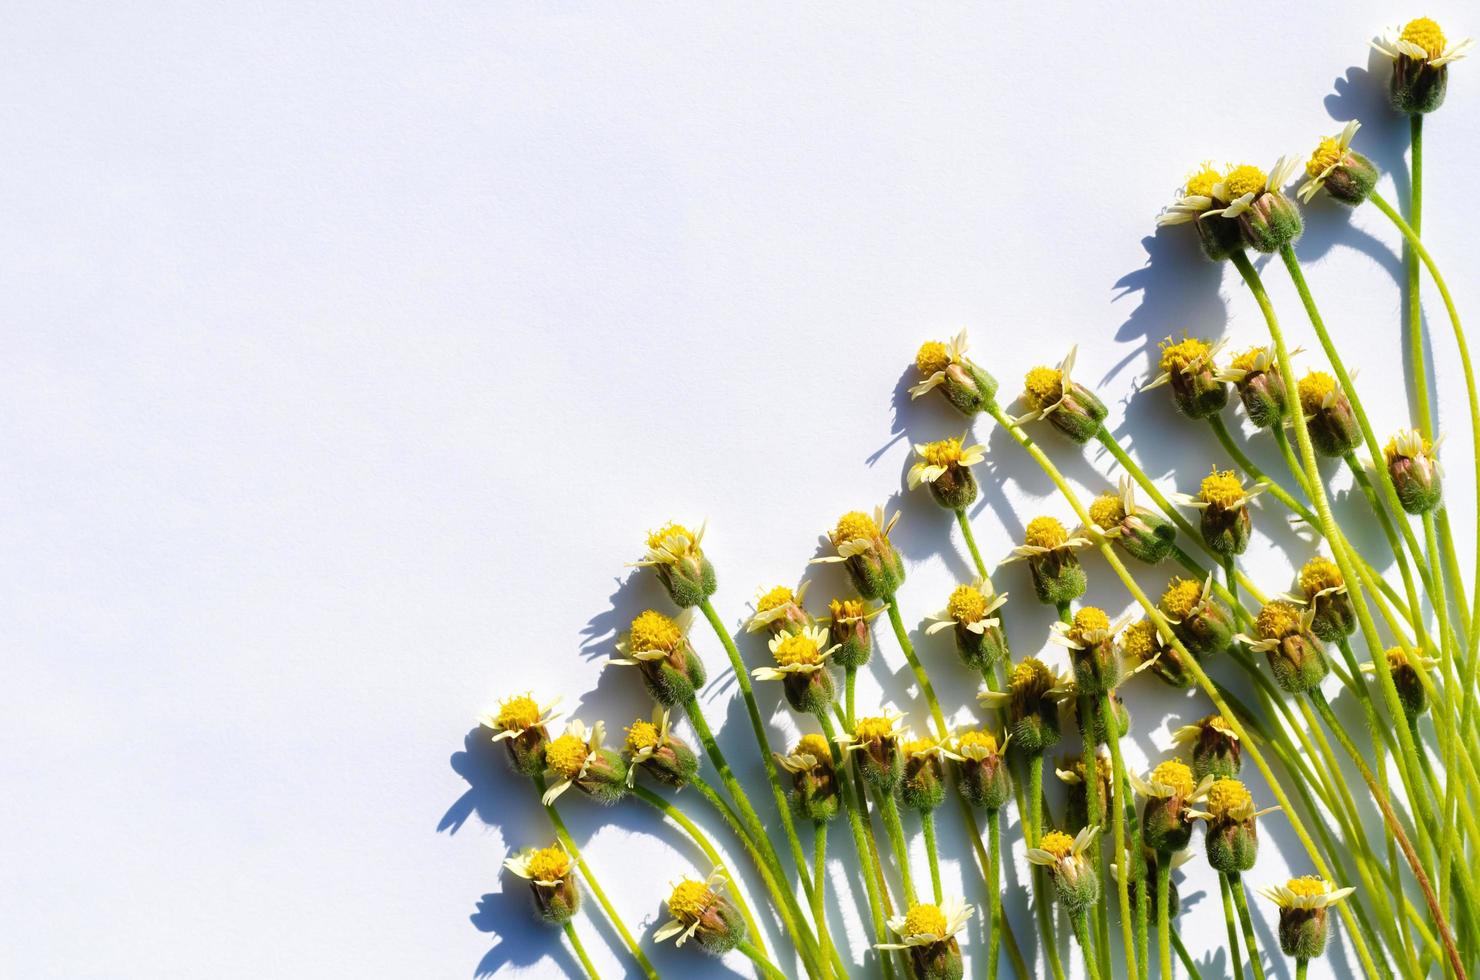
687	904
1189	356
1306	892
1242	185
570	754
937	458
1422	40
1183	596
971	607
1045	534
1140	642
545	867
671	544
517	715
1409	444
1319	576
1107	511
775	605
1197	195
925	924
802	652
933	360
978	744
1171	778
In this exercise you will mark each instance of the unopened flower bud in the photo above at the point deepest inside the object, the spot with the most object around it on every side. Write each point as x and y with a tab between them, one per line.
1413	463
1332	617
1328	416
674	553
923	786
862	545
659	647
1197	387
968	387
1145	536
1203	624
983	775
1295	653
1049	551
1421	57
945	468
815	790
1405	666
701	912
1070	407
1216	750
849	632
551	878
1256	376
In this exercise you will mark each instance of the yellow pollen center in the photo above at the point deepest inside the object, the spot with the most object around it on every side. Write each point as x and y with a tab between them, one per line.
1426	34
1181	597
796	649
689	900
1392	450
548	864
1245	180
642	735
985	740
967	604
1031	676
1222	489
652	630
775	599
946	452
566	755
1045	532
917	746
1107	510
873	729
815	746
855	524
1314	388
1139	640
1089	620
1248	360
842	609
932	357
1174	773
1043	386
517	714
1326	156
1057	843
1187	354
1277	620
1201	183
656	538
1307	886
1319	573
1226	796
1397	658
924	920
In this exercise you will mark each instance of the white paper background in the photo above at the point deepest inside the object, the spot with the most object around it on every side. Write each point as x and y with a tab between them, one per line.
351	348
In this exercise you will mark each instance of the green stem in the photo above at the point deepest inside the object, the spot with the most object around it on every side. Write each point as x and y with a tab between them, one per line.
927	825
1123	855
1447	812
994	893
1043	900
1081	933
889	811
1095	805
1163	916
976	555
580	950
1359	476
1188	963
759	959
850	675
1225	438
1300	967
921	679
1415	301
1241	902
1235	966
819	887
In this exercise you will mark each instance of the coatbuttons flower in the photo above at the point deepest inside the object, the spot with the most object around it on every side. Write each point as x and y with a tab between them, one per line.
1188	367
1075	777
1090	640
1070	407
873	745
1328	415
1144	535
1294	652
1215	747
1421	56
659	647
1267	219
1232	841
520	723
815	788
927	933
780	610
1324	589
1407	666
701	912
1202	623
1256	377
849	632
1141	647
578	759
673	552
1199	205
966	385
1169	789
1345	174
923	786
1224	505
1413	463
651	746
862	545
980	641
1049	551
801	666
551	878
1303	903
1032	698
945	467
1075	880
983	776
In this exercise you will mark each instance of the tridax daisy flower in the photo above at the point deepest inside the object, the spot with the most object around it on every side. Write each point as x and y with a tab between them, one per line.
1090	639
1232	841
815	790
862	545
578	759
1303	903
1168	790
1032	698
1115	515
801	666
874	746
1295	653
848	631
1052	394
1267	219
1049	551
1413	463
1075	880
1323	589
1188	366
1345	174
658	646
984	778
550	873
1328	415
1074	774
1215	747
1421	56
673	552
965	385
520	723
1202	623
945	467
980	641
1406	665
923	786
651	746
1224	502
780	610
1195	204
928	933
1255	375
702	913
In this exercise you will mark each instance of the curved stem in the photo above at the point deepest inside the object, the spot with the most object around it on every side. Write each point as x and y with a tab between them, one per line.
1241	902
920	677
889	811
1415	300
1225	438
579	950
976	555
1188	963
759	959
927	826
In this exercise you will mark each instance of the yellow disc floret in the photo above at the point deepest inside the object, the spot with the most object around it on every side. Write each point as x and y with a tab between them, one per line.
1045	532
1139	640
517	714
932	357
1244	180
855	524
1397	658
1087	621
1407	447
1181	597
689	900
1201	184
662	534
1227	797
1426	34
1307	886
924	920
814	745
967	604
1315	388
1277	620
873	729
917	746
1327	155
1031	677
977	739
845	609
1175	776
1223	489
946	452
566	755
1057	843
797	650
548	864
1107	510
652	630
1188	354
775	599
1319	574
642	735
1043	385
1249	360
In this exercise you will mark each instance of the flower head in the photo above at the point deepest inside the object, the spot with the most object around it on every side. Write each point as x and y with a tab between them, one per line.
517	715
1413	463
861	543
778	607
658	646
1422	40
802	652
1305	892
1074	873
1196	196
674	553
545	867
939	458
1243	184
700	911
1043	535
570	756
969	607
926	924
965	384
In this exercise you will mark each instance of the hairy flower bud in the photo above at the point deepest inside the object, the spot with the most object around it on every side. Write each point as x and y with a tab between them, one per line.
1203	624
673	552
1232	836
658	647
1216	750
1070	407
1332	616
1295	653
815	791
923	786
702	913
874	748
1413	464
968	387
863	548
1047	547
1328	416
1260	387
1421	57
983	776
551	876
1198	388
849	632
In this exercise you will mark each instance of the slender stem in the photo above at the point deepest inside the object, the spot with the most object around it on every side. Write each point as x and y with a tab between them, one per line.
927	825
1043	900
1163	916
1415	301
1359	476
759	959
1081	933
643	962
579	950
1143	926
819	887
889	811
1447	814
1123	855
850	675
976	555
1241	902
1300	968
920	677
994	892
1188	963
1235	966
1220	429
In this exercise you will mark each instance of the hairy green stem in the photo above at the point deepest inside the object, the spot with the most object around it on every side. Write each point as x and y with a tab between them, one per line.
575	944
927	826
1241	902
